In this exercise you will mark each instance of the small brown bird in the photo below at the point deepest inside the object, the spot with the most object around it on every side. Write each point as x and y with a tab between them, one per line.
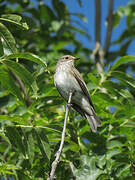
67	78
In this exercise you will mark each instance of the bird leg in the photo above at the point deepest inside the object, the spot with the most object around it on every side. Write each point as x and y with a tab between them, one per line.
71	92
68	105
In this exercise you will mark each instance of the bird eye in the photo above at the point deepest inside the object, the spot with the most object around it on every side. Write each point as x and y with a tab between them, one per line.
66	57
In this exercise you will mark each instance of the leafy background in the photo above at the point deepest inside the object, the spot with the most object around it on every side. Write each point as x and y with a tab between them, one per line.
32	38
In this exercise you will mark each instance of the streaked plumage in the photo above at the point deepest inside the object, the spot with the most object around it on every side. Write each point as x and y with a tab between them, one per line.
67	78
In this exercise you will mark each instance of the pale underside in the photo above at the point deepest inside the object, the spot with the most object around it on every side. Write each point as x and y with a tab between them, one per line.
67	79
66	82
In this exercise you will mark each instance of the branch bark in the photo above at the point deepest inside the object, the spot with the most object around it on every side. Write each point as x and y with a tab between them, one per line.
56	161
98	20
98	52
109	27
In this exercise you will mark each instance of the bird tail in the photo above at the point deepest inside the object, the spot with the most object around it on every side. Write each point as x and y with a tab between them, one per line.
93	121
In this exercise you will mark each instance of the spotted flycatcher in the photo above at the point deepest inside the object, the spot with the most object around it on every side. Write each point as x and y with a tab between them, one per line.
68	79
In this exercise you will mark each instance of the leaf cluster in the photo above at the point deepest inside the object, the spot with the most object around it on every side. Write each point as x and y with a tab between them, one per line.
32	112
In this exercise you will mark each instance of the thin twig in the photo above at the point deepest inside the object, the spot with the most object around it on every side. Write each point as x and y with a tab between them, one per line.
109	27
56	161
42	127
72	169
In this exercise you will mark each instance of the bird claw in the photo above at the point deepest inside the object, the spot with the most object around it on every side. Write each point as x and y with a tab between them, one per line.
72	91
68	105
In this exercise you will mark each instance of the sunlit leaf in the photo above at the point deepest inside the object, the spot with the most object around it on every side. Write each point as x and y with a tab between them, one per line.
7	168
124	78
88	169
31	147
123	60
8	82
21	71
124	171
15	19
27	56
114	143
113	152
14	118
8	38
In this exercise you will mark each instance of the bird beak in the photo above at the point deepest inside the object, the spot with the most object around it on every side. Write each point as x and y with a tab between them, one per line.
76	59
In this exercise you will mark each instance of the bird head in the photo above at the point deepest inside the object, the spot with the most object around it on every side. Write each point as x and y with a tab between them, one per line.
68	59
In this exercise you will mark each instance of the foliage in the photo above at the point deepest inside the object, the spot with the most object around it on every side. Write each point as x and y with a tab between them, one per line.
32	112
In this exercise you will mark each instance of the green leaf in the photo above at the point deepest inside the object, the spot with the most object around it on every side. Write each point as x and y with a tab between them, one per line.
2	134
81	16
124	172
58	5
88	169
31	147
28	56
93	78
130	19
9	84
21	175
114	143
126	94
124	11
8	166
42	134
56	25
4	168
92	86
117	19
106	98
14	118
123	60
124	78
1	49
71	146
113	87
15	19
46	13
21	71
113	152
82	32
43	144
15	138
8	38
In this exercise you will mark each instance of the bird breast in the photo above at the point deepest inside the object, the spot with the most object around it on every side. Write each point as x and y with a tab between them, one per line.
65	80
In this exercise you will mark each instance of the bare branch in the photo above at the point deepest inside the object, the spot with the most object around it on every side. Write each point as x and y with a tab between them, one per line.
109	27
56	161
98	21
98	53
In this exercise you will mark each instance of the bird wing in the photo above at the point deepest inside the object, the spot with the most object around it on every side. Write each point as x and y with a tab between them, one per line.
82	84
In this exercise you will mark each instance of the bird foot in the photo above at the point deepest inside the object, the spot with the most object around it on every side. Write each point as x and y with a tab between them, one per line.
68	105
